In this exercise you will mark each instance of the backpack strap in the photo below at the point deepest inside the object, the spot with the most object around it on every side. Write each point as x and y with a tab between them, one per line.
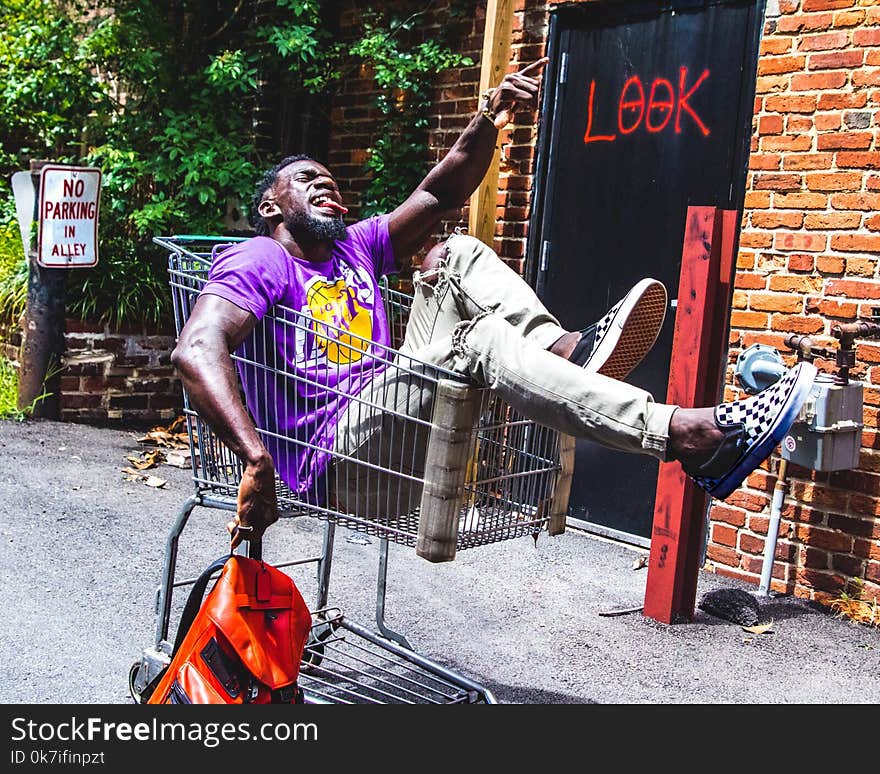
190	610
194	601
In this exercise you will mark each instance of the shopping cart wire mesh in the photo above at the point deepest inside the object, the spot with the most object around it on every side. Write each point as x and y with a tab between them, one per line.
416	444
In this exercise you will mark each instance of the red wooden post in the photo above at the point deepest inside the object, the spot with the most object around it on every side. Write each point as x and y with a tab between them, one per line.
695	374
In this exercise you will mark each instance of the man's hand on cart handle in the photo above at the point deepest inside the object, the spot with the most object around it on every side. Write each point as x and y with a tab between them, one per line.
238	532
257	504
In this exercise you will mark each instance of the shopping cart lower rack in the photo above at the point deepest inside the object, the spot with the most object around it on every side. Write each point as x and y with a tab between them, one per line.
345	663
447	466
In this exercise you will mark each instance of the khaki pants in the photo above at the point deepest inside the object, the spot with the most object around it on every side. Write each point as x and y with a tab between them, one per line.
481	320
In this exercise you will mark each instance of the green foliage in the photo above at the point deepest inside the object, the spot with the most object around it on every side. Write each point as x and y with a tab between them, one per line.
9	392
46	90
159	94
13	266
122	89
232	71
406	78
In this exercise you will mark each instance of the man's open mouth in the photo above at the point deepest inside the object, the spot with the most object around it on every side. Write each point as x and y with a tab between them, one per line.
329	204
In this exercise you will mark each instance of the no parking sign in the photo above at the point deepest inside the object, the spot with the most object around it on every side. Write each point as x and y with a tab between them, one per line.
68	216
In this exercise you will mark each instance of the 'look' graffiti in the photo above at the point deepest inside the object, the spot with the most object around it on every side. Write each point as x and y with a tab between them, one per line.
654	112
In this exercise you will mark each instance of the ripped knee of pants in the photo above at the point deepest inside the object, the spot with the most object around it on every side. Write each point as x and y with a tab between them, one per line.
435	262
435	274
436	257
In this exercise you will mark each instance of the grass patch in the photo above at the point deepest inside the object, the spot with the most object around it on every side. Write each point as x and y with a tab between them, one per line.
9	391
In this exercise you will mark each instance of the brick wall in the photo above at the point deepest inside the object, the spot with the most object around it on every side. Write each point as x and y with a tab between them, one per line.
122	376
809	258
112	376
356	122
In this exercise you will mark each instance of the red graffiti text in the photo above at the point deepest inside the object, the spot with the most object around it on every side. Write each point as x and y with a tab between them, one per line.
661	106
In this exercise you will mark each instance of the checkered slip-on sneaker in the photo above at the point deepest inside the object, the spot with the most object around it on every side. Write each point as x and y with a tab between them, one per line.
616	344
752	429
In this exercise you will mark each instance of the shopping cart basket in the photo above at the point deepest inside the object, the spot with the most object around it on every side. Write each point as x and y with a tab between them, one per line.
446	466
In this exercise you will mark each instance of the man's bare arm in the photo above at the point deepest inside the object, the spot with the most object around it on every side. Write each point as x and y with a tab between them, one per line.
202	357
448	185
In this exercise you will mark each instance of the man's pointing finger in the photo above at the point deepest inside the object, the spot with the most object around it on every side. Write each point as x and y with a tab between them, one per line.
534	67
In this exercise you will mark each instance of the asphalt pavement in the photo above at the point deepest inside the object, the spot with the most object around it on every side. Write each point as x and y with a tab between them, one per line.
83	546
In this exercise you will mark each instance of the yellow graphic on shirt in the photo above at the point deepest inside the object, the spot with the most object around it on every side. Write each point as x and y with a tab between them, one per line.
336	304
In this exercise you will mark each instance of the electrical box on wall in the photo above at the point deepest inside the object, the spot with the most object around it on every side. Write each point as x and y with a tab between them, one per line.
828	433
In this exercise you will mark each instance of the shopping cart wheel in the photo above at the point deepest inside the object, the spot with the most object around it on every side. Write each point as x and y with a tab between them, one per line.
133	681
313	654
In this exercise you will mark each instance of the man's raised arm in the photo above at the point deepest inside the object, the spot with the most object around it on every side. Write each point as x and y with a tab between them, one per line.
448	185
202	359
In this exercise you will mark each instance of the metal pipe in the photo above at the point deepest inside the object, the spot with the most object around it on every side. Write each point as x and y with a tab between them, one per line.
846	334
779	491
800	343
857	330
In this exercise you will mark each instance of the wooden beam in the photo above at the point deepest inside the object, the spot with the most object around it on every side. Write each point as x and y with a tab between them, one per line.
493	67
696	369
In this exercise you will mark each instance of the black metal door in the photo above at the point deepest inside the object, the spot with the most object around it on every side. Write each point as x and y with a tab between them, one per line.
647	110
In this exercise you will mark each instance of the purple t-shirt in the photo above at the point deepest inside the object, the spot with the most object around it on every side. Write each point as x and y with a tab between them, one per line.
297	367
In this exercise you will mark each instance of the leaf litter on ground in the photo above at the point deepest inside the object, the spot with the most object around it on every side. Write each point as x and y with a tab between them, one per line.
162	440
762	628
174	436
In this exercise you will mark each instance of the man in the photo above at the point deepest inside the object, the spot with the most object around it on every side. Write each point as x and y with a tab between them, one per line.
471	314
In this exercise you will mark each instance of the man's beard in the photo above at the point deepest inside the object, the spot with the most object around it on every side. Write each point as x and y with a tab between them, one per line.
315	229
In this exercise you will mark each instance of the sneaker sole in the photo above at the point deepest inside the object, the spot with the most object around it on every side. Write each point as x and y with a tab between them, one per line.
764	446
632	332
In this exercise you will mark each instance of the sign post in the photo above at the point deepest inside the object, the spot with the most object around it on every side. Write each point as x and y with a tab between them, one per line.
67	203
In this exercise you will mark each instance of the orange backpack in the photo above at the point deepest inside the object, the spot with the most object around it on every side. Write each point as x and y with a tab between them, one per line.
243	644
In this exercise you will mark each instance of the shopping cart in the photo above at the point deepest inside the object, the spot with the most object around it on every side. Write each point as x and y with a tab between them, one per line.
448	466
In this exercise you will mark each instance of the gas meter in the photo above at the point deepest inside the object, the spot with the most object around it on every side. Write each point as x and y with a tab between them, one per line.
827	434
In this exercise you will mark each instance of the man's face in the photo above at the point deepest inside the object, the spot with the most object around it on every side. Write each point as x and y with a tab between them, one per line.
309	200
